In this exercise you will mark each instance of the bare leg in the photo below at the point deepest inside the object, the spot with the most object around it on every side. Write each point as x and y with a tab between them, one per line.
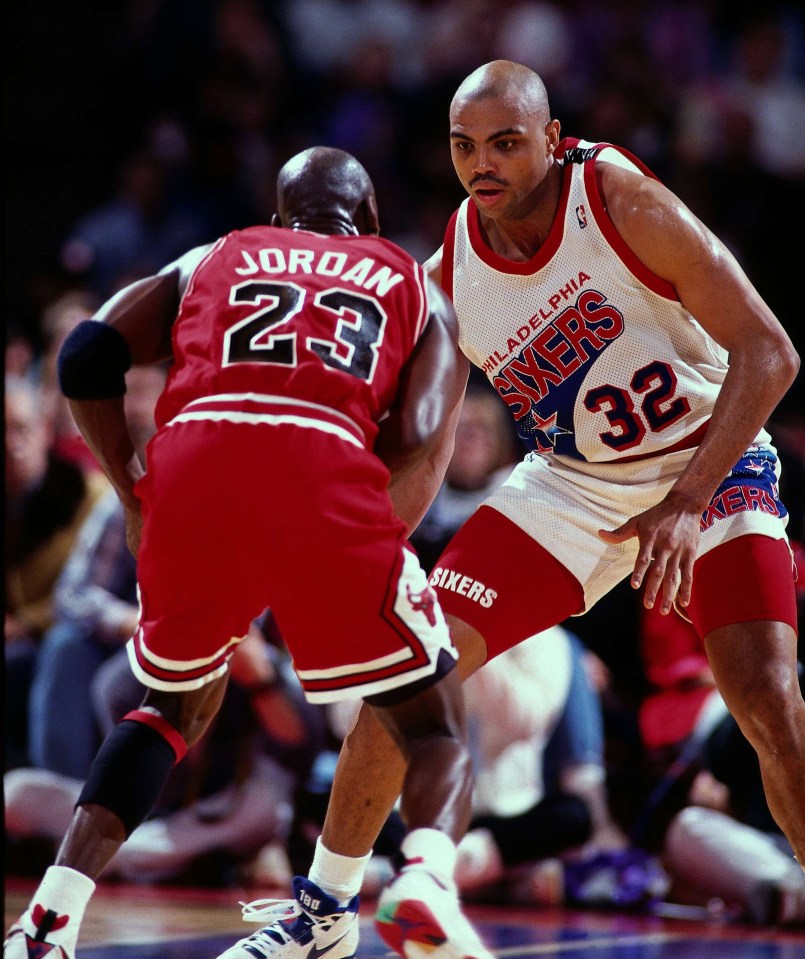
370	770
368	780
95	833
430	729
755	668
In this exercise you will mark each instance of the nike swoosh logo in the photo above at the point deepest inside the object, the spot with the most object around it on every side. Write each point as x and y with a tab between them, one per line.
315	952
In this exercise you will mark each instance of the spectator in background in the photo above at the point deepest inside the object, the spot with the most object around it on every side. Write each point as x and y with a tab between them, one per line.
707	810
761	82
58	320
96	612
20	353
541	807
133	233
232	796
47	500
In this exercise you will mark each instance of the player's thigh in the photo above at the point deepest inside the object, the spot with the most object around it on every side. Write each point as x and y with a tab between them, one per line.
745	579
207	548
502	583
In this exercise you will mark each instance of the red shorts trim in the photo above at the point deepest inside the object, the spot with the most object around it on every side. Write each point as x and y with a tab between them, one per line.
746	579
501	582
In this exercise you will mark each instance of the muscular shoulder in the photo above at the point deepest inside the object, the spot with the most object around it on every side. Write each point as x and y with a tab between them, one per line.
626	193
656	225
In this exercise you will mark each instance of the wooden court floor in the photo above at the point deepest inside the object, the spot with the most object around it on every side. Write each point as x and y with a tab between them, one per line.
152	922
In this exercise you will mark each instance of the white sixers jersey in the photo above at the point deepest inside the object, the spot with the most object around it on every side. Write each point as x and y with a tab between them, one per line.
594	354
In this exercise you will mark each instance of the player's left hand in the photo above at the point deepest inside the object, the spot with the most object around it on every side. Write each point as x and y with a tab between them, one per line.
668	535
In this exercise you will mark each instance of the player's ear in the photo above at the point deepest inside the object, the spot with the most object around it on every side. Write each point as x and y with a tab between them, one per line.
366	217
275	220
552	131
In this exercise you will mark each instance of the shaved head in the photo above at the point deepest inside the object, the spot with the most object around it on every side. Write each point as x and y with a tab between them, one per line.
508	81
323	186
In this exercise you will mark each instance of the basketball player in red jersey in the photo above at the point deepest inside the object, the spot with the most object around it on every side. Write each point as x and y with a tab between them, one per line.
305	426
640	366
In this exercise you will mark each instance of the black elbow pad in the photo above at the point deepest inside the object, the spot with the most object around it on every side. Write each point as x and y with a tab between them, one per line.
93	362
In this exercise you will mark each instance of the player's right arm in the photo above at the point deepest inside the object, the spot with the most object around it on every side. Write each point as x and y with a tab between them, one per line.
416	438
675	245
132	328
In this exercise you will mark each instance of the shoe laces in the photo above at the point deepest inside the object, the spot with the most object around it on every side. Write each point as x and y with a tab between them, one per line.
287	922
263	910
282	916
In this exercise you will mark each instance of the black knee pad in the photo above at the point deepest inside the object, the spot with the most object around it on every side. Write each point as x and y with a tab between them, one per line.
131	768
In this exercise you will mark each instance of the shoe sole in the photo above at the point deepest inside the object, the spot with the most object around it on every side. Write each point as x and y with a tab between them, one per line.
410	928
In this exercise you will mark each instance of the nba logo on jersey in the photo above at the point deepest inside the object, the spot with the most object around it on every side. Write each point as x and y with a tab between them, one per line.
581	216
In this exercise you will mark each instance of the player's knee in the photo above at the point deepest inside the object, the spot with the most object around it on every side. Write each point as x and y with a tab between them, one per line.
773	714
188	712
132	767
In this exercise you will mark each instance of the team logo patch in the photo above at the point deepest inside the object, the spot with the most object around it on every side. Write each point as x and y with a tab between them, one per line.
457	582
47	919
750	486
423	602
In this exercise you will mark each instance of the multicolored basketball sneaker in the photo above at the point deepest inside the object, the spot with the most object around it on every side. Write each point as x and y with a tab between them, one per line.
31	936
419	915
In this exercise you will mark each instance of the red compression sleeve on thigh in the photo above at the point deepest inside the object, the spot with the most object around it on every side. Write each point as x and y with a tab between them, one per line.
495	577
749	578
163	727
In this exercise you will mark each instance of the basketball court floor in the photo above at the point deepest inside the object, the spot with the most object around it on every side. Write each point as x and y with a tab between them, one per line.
133	922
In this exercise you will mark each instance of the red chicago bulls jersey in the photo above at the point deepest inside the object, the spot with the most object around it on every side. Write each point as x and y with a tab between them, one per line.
262	488
323	320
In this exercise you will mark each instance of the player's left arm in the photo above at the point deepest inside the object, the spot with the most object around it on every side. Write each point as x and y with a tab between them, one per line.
132	328
673	243
416	438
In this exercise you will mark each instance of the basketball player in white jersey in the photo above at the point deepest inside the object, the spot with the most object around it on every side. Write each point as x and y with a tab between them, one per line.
640	366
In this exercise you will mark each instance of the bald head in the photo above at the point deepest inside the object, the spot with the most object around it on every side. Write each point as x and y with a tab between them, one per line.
513	83
326	190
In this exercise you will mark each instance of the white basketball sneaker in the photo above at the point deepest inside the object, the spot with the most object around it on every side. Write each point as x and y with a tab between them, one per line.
312	925
31	936
418	915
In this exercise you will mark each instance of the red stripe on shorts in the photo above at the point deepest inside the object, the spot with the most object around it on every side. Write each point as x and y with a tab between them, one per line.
178	675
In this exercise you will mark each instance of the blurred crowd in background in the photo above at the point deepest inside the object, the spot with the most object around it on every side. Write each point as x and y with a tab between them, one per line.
139	129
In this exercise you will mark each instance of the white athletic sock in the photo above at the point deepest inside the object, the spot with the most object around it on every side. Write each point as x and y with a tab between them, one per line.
433	849
339	876
67	892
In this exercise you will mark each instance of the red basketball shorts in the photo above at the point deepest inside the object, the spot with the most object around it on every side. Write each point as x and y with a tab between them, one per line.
239	517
